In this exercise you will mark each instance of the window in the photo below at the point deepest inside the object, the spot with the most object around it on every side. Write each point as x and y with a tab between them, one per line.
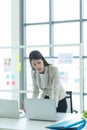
5	22
10	65
66	10
55	27
66	33
37	35
37	11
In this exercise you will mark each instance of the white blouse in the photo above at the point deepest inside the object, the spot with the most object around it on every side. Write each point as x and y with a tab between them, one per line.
43	79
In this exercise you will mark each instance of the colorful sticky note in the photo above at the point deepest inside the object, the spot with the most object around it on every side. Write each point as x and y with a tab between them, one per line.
7	76
17	57
19	66
13	83
13	76
8	83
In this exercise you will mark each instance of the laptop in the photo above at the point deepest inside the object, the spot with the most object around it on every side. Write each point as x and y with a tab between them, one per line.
41	109
10	109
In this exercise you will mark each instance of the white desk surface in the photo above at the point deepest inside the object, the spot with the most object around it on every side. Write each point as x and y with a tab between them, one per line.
25	124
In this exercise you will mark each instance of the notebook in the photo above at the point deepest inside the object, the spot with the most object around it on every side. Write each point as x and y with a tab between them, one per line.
68	125
41	109
10	109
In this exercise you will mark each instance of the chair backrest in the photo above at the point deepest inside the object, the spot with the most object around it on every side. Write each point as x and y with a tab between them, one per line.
69	101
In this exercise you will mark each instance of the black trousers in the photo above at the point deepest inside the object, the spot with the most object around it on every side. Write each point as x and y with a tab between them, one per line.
62	104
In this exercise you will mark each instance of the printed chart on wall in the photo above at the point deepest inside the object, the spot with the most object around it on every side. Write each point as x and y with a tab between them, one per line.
65	58
8	65
9	77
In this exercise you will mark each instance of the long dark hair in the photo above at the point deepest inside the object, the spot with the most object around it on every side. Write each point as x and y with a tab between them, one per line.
37	55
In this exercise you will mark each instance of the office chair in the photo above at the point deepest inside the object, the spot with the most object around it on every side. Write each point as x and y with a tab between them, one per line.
69	101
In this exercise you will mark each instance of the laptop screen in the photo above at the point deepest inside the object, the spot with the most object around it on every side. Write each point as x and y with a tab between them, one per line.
9	108
41	109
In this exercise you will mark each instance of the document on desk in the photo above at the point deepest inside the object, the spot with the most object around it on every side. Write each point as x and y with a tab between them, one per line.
68	125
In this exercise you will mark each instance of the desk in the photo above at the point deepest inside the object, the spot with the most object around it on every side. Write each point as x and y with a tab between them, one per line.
25	124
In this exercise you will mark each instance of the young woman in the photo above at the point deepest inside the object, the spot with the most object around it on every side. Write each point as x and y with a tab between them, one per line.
46	82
